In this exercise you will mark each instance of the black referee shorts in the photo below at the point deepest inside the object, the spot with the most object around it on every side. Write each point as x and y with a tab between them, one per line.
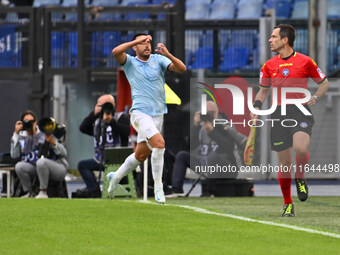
281	136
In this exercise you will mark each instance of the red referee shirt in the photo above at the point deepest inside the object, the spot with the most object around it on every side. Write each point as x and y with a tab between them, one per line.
293	71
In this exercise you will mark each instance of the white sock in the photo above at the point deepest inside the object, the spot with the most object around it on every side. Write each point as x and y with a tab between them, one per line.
157	162
128	166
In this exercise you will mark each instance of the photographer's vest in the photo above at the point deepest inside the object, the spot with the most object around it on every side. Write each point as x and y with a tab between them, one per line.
29	146
111	139
206	146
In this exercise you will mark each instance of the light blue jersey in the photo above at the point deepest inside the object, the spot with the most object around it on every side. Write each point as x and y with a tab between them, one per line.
147	80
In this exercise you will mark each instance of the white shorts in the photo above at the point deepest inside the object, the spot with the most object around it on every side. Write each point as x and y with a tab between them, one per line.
146	126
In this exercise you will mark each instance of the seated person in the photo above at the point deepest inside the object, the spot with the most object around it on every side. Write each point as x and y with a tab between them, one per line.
212	145
109	130
48	165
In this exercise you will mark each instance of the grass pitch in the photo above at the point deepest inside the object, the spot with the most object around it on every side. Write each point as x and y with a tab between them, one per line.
69	226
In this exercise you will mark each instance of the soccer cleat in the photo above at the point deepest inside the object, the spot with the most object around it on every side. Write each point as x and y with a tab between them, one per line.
288	210
159	195
112	186
302	189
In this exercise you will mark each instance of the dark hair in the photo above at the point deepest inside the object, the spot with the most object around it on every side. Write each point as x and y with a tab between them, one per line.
138	34
288	31
28	112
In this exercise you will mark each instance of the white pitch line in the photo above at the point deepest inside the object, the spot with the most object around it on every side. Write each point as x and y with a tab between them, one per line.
271	223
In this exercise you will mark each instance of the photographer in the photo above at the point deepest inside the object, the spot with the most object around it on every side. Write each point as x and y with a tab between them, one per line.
212	145
27	141
109	130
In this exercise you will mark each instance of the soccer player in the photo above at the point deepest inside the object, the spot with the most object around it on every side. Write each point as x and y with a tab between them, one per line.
290	69
145	73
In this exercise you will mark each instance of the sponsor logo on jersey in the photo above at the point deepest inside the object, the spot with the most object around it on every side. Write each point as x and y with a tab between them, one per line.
287	64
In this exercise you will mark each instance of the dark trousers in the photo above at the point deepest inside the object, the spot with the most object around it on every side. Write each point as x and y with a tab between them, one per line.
86	168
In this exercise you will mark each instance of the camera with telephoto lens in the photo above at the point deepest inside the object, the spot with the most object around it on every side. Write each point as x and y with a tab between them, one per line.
48	126
209	117
27	125
108	108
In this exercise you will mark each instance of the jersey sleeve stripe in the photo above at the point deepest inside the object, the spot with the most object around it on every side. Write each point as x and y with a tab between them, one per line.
324	79
264	87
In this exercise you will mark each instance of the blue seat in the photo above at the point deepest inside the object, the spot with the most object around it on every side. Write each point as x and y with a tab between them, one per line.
188	58
301	41
300	10
203	58
333	9
283	9
197	12
247	38
222	11
191	2
159	2
207	39
193	39
249	10
40	3
64	49
224	39
69	3
235	58
102	45
134	2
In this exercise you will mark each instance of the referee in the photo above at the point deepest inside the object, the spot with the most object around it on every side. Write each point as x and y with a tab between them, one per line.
290	69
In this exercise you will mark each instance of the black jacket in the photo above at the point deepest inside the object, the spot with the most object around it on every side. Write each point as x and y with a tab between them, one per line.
122	127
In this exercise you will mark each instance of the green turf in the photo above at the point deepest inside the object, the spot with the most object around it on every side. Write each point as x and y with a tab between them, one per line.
56	226
321	213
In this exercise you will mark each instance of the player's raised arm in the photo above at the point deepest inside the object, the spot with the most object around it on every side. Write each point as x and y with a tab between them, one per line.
177	65
119	51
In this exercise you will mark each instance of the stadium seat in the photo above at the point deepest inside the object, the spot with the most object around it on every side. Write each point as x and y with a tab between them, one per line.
134	2
193	39
102	45
333	9
222	11
68	3
235	58
188	58
197	12
249	10
63	49
191	2
246	38
203	58
283	9
11	17
137	15
207	39
301	41
40	3
224	38
159	2
300	10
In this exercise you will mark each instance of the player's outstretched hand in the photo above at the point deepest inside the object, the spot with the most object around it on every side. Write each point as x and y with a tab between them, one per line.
162	49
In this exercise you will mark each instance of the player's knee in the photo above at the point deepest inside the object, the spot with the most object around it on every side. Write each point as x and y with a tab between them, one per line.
141	156
301	151
157	142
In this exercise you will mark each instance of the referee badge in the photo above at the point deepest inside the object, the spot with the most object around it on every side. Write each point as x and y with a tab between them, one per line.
285	72
303	124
